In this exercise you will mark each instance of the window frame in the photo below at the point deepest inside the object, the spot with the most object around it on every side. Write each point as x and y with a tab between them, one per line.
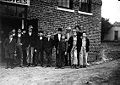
70	5
116	34
85	6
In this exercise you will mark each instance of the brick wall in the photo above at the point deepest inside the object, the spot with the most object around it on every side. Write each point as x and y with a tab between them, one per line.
51	18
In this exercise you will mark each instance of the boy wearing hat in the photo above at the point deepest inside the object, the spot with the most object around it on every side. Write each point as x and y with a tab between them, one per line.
19	47
40	49
30	41
10	49
48	46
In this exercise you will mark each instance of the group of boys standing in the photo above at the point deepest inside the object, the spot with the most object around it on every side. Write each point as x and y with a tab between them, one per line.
30	48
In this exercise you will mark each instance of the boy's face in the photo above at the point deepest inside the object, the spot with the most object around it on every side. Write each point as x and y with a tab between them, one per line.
63	37
48	35
84	35
40	34
13	31
74	32
10	36
19	30
59	32
30	30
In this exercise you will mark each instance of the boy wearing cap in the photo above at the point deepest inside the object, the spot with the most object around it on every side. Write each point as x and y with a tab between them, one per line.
10	49
48	46
30	41
40	49
19	47
84	50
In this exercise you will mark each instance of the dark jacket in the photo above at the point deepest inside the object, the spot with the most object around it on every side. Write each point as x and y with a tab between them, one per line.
48	44
79	34
56	40
30	40
70	43
10	47
87	44
40	44
24	41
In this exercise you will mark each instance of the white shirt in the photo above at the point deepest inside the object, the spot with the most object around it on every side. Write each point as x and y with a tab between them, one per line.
68	36
83	42
11	40
48	39
41	38
59	37
30	33
75	40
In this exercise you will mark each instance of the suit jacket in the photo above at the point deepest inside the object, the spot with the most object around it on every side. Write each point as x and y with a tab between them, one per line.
87	44
79	34
70	43
40	44
30	40
24	41
10	47
48	44
56	40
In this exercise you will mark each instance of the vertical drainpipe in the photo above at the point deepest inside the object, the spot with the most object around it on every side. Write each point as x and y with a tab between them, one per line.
25	21
0	40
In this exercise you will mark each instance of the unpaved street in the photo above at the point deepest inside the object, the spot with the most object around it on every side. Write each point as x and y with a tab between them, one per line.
94	75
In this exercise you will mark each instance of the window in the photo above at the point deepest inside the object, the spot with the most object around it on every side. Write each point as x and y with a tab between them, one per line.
65	3
13	11
25	2
85	6
115	35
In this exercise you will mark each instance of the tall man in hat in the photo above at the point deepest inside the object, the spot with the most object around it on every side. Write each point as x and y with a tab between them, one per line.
39	60
57	39
48	46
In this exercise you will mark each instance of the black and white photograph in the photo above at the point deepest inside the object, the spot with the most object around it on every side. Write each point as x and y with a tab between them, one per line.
59	42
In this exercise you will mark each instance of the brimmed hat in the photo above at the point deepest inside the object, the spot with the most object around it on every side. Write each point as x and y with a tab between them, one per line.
68	28
59	29
30	26
40	31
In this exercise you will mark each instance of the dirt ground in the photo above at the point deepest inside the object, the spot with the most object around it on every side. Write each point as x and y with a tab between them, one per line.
102	74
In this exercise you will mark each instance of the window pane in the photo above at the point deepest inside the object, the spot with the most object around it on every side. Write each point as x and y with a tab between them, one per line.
116	35
64	3
85	5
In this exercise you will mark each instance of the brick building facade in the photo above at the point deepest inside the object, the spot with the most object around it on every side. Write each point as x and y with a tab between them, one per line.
50	15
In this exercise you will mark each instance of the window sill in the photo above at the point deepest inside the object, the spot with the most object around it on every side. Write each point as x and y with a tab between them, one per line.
69	10
85	13
65	9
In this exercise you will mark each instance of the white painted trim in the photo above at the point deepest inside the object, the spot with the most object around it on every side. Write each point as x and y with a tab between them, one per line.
64	9
85	13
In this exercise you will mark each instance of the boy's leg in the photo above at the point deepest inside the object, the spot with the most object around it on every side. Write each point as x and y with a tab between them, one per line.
81	57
